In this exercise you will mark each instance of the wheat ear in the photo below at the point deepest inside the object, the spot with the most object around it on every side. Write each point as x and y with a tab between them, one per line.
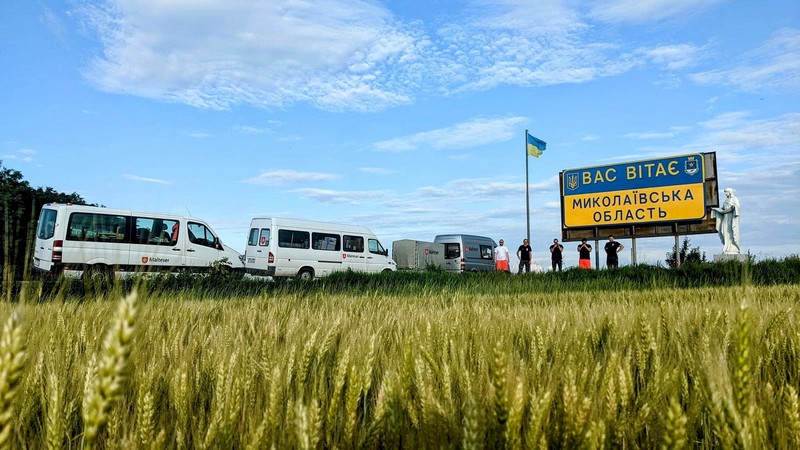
12	360
108	384
792	409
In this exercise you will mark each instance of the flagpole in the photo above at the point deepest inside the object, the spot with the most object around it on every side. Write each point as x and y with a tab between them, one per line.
527	195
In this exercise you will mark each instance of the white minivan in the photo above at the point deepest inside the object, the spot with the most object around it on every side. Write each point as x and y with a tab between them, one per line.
280	247
80	238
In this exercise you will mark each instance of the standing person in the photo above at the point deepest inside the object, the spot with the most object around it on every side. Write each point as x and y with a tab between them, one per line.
501	257
524	255
612	248
585	258
555	254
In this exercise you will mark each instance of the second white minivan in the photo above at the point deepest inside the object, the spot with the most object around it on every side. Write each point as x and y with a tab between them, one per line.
280	247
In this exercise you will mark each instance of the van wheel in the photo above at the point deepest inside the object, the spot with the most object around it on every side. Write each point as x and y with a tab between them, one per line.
102	273
306	273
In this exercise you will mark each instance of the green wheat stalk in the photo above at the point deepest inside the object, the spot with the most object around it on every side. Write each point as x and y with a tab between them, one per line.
108	383
12	361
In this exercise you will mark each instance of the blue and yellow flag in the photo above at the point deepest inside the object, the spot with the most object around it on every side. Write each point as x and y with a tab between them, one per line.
535	146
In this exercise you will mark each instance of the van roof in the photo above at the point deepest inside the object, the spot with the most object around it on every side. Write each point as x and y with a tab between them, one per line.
462	236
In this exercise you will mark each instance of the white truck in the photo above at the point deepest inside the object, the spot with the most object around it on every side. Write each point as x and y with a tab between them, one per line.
281	247
417	255
77	238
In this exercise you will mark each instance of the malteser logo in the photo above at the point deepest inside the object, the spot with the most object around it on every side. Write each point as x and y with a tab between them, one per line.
154	259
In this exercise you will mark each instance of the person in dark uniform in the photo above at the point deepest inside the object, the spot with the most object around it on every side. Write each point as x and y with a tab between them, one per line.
612	248
524	255
556	256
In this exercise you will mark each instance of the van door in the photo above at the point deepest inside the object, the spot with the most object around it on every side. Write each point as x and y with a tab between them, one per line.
45	236
258	249
202	246
155	244
353	255
452	257
377	256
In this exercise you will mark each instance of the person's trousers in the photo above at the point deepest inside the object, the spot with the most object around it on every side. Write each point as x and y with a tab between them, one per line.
612	263
526	265
557	263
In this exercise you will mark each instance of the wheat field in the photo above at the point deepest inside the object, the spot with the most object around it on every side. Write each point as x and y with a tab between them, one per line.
657	368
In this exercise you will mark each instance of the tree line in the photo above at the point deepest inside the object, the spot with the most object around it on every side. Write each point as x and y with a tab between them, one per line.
19	211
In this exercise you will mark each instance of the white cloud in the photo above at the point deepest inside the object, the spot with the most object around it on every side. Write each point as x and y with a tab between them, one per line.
673	131
216	54
348	54
248	129
146	179
773	66
639	11
674	57
377	170
740	136
478	189
470	134
332	196
288	176
197	134
24	155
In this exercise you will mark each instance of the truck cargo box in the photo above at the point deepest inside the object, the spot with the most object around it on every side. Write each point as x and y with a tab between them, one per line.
417	255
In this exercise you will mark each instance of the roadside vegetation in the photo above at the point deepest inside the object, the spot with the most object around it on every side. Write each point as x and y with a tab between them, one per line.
634	358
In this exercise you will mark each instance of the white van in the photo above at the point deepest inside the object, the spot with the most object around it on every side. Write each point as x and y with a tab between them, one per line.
467	252
306	249
78	238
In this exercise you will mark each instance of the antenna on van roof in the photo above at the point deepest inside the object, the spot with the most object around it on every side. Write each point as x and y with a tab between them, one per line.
187	210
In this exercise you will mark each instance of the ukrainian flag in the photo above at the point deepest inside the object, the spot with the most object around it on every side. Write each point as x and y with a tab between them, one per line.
536	146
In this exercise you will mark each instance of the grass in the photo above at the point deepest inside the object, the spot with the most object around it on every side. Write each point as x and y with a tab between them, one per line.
446	367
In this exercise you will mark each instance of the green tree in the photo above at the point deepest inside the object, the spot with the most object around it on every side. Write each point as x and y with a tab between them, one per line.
687	255
19	211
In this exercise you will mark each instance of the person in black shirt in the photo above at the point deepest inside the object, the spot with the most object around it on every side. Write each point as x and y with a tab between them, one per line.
585	258
524	255
555	254
612	248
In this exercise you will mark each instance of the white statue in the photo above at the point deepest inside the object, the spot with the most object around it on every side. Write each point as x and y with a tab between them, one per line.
728	223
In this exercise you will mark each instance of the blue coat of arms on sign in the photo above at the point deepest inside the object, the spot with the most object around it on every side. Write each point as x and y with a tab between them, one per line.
572	181
692	165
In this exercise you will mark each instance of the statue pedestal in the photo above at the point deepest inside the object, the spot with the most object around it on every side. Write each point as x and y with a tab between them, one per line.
724	257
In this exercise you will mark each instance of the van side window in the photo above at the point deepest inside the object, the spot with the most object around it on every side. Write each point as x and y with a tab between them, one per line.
376	247
200	234
153	231
452	251
325	241
264	241
353	243
96	227
293	239
47	224
486	252
253	238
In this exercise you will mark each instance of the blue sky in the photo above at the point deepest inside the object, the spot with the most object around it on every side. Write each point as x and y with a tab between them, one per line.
407	117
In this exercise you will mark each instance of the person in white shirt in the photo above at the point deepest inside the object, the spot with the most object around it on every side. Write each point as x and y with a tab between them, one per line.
501	257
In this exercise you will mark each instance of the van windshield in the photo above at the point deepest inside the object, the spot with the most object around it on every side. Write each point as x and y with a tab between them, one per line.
47	224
